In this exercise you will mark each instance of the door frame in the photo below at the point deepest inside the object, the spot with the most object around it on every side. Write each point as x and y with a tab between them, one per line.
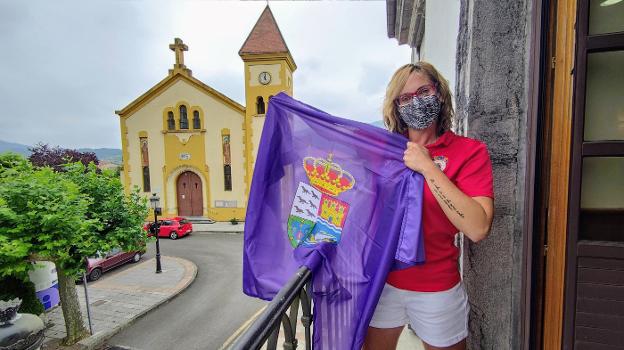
539	124
170	178
201	192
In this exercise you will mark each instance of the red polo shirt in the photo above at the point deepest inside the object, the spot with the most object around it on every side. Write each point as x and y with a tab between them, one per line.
467	164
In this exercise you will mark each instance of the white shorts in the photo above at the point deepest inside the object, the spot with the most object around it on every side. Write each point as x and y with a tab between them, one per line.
439	318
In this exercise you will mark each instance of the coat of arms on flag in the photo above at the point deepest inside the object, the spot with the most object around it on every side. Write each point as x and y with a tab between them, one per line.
316	215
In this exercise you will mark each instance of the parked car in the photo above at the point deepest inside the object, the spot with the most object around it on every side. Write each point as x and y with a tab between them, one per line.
116	257
170	227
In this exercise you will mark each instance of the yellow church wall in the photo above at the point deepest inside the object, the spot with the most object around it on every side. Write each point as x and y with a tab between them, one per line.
278	83
184	151
257	124
215	161
125	156
273	69
204	148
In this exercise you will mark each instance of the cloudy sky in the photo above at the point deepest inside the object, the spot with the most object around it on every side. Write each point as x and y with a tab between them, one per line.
66	66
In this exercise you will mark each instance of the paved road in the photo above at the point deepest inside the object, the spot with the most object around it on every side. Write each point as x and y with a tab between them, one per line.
207	312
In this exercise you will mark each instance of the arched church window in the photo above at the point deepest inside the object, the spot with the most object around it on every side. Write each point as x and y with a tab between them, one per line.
227	160
196	120
183	118
260	105
145	163
170	121
146	179
227	172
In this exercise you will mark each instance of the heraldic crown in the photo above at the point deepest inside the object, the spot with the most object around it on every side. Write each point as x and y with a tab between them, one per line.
326	176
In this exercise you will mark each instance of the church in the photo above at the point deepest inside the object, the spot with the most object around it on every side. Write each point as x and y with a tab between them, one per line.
192	145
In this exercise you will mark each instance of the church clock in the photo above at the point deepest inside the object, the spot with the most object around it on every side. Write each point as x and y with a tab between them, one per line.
264	78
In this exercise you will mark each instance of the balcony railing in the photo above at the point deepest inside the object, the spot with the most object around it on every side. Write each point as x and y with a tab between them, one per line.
282	310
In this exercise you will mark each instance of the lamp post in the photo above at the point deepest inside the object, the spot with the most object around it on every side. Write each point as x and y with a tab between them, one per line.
155	204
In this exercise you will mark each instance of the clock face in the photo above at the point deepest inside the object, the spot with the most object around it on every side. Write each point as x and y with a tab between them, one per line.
264	78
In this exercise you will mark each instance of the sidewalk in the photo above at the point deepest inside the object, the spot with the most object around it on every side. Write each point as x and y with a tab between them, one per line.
117	299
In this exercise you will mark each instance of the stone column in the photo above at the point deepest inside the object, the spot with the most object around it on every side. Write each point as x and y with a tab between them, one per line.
492	82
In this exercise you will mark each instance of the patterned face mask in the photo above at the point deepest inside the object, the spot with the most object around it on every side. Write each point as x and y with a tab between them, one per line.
421	113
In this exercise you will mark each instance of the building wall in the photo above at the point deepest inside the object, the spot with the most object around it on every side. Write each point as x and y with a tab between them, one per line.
492	84
439	44
204	147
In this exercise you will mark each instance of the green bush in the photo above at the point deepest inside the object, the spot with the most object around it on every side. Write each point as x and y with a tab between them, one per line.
11	288
234	221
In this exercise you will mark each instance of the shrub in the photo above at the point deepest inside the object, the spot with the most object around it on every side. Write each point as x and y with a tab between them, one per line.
11	288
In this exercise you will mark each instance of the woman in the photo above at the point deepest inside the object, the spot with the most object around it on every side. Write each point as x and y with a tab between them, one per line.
458	196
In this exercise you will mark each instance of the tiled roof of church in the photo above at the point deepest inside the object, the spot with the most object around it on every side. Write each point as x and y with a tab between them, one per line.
265	37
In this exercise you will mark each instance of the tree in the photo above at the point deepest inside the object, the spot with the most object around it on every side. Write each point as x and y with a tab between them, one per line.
119	217
57	157
44	219
64	217
12	162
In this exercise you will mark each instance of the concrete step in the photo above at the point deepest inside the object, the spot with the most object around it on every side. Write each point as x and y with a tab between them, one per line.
219	227
200	220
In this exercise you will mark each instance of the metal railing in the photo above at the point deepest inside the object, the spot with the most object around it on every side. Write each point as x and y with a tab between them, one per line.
282	310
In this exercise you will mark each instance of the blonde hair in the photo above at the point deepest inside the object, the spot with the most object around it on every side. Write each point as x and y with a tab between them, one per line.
390	114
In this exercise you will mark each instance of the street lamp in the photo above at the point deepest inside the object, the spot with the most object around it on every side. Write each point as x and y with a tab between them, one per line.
155	204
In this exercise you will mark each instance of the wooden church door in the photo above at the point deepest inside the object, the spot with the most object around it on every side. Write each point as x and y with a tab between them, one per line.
190	197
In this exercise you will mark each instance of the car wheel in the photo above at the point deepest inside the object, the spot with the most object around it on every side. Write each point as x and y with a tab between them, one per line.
95	275
136	258
173	235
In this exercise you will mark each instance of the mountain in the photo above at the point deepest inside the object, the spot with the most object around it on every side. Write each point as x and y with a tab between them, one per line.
14	147
110	155
379	124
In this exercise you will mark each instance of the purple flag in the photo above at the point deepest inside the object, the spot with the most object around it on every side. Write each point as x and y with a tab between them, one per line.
334	195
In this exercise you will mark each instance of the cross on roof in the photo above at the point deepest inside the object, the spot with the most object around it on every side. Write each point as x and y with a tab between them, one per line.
179	47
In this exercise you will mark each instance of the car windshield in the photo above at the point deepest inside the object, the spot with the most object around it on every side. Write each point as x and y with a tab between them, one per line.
183	221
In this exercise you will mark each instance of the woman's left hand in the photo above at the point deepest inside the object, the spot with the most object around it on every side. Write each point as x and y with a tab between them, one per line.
417	158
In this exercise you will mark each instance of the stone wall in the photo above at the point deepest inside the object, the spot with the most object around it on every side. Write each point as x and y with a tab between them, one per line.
492	83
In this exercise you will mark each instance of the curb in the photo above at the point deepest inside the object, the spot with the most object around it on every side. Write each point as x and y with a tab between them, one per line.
99	338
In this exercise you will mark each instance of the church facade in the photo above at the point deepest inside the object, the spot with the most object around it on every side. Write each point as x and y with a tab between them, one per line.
192	145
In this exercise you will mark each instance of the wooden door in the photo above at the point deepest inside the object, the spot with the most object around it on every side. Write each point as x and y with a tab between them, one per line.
190	197
594	291
584	295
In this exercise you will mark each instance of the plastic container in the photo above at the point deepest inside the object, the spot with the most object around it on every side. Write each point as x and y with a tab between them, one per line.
44	277
49	297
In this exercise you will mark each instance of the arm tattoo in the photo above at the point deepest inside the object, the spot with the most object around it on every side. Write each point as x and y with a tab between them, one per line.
438	192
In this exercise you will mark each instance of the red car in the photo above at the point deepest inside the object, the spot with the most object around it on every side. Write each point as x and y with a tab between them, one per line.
170	227
110	260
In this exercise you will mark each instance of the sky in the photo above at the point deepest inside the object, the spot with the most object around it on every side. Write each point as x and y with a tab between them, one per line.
66	66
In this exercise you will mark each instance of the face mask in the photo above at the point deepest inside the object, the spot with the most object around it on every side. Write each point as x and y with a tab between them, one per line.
421	112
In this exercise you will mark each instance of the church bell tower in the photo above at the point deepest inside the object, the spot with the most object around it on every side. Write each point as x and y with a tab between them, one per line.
269	70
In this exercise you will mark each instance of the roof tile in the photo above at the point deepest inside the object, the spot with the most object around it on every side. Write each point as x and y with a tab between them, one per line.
265	37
